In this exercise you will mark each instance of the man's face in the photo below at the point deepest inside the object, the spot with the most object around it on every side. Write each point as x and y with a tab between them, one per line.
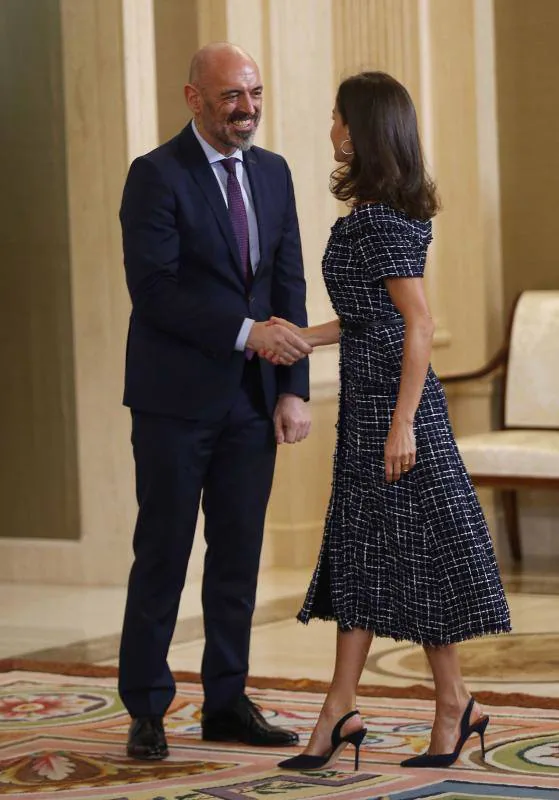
227	102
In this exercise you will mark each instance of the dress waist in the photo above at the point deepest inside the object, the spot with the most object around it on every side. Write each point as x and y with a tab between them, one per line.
357	327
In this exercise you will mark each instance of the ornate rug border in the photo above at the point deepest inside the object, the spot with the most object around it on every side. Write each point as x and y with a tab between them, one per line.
415	691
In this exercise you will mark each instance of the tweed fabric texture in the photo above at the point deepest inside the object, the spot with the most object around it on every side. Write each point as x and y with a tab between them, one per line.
413	559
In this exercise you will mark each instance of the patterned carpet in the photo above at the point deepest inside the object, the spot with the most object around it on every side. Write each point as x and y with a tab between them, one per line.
66	734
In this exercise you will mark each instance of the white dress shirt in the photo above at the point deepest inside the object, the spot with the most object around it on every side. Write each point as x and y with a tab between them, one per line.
214	157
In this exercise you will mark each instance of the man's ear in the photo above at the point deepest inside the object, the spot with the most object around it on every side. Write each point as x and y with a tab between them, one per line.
193	98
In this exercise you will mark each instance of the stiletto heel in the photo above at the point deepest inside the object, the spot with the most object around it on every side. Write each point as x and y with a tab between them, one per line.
305	762
356	739
447	759
479	727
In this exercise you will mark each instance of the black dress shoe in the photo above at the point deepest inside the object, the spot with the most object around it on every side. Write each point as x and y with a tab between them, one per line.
243	722
146	739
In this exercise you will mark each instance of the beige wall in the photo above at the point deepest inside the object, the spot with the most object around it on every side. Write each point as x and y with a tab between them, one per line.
94	98
38	487
113	72
527	77
528	117
176	40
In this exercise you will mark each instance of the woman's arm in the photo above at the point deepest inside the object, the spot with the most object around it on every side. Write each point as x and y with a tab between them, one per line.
315	336
408	296
328	333
318	335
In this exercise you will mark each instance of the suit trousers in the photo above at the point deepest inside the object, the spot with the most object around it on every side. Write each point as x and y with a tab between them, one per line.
230	465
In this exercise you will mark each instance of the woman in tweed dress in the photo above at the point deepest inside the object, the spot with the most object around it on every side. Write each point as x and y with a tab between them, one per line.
406	550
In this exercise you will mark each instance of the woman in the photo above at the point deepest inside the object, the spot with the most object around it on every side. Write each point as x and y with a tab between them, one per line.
406	550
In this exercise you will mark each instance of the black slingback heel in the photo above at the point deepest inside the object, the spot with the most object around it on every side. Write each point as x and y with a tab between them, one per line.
447	759
305	762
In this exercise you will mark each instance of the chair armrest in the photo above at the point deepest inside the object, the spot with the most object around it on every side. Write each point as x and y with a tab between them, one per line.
497	361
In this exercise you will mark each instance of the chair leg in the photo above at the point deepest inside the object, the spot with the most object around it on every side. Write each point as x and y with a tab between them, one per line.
510	508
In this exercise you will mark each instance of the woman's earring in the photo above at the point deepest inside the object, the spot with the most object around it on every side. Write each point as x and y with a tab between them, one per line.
345	151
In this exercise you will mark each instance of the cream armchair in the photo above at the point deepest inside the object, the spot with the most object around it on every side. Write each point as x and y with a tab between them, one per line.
524	453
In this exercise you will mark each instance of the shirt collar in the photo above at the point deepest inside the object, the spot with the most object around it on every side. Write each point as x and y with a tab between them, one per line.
210	152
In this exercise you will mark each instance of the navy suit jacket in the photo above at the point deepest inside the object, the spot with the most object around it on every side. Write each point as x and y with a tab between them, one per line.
187	286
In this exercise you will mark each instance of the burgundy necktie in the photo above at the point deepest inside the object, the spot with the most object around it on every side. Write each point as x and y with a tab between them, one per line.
238	214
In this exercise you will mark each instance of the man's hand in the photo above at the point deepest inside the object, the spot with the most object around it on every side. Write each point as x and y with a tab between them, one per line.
280	342
269	355
292	419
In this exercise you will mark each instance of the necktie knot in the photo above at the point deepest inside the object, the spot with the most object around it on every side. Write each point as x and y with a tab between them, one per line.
230	165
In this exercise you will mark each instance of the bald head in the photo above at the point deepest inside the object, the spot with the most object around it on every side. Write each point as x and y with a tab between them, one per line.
216	57
224	93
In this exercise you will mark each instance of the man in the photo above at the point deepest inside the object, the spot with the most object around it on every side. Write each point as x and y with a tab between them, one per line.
211	250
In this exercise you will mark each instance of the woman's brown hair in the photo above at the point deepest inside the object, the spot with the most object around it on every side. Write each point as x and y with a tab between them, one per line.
387	164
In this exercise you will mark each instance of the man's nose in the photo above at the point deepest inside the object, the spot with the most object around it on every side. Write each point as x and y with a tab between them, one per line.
246	104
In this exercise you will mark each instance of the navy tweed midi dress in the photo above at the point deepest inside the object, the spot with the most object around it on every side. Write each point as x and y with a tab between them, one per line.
411	560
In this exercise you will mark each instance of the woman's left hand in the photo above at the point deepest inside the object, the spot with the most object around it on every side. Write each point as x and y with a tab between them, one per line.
399	450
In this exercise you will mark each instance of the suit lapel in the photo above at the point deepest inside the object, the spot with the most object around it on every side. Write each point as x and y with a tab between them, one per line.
259	197
203	174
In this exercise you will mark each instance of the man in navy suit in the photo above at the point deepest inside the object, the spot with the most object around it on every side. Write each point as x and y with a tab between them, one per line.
211	251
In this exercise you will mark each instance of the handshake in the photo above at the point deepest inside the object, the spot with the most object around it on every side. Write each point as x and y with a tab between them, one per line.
279	341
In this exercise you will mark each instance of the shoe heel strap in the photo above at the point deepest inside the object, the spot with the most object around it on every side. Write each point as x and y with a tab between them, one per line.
465	726
480	725
336	737
356	737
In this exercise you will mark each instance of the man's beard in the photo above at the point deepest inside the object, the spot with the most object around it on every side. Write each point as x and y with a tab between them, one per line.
237	138
245	140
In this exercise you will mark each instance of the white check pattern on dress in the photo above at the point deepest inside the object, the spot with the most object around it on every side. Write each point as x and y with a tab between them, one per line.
410	560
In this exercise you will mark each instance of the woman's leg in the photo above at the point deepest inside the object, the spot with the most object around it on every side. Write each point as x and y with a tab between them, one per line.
451	698
352	648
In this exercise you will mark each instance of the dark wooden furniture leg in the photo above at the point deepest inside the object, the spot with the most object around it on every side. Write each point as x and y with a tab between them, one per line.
510	508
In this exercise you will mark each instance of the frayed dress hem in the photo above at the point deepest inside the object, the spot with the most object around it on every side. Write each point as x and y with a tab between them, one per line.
407	636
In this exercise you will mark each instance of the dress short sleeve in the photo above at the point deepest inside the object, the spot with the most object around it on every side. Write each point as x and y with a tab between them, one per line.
390	244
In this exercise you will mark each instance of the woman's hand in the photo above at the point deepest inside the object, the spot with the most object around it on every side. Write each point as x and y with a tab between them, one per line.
286	324
268	354
399	450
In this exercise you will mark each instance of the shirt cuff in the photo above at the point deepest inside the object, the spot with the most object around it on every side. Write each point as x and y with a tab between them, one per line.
246	328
